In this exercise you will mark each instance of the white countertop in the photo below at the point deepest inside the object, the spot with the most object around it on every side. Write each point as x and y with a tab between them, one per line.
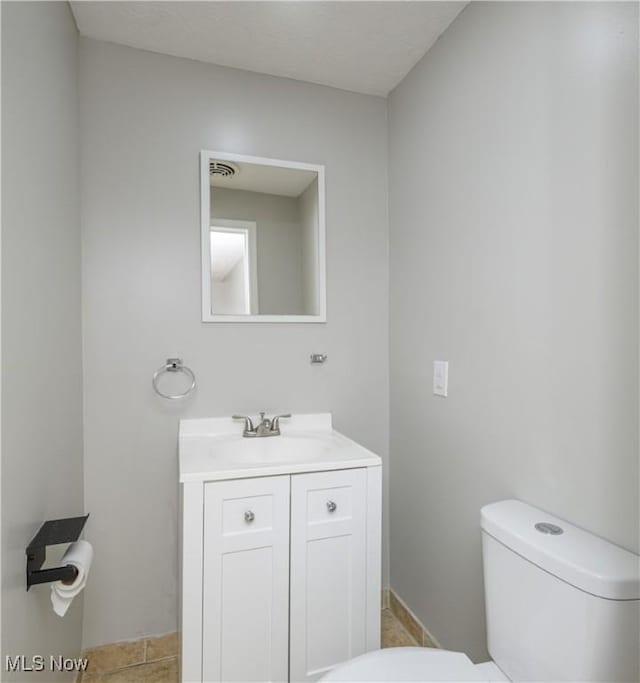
213	449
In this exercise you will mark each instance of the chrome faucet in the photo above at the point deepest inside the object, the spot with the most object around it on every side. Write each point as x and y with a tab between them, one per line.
266	426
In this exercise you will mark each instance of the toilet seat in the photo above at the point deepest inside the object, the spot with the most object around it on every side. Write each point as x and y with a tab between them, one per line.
406	664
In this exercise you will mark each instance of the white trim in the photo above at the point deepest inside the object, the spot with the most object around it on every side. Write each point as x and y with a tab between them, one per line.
205	222
374	559
322	248
251	273
192	538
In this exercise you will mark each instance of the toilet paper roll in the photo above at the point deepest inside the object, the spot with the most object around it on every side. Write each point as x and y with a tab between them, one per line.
80	555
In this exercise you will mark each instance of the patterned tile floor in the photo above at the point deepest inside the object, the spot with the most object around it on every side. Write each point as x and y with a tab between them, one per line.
165	670
394	634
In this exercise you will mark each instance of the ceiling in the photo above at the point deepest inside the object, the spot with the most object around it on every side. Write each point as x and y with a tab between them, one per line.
366	47
288	182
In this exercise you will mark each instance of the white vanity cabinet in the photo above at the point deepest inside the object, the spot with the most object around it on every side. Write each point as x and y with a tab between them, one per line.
328	571
280	569
245	580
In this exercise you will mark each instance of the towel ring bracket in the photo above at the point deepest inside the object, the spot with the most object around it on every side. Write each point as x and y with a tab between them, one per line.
174	365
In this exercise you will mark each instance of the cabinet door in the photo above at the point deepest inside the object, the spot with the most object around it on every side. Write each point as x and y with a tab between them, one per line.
328	572
246	580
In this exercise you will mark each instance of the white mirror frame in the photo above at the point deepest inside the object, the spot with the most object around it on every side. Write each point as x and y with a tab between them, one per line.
205	203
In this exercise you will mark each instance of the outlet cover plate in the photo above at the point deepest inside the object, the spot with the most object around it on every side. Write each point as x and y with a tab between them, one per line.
441	377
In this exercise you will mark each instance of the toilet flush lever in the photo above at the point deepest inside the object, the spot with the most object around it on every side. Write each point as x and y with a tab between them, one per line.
548	528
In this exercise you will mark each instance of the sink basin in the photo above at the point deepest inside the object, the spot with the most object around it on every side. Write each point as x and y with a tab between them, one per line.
214	449
283	448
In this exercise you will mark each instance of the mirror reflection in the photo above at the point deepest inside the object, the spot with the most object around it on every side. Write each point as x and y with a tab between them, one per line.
264	239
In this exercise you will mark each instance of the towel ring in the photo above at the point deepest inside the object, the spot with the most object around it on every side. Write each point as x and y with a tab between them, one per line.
174	365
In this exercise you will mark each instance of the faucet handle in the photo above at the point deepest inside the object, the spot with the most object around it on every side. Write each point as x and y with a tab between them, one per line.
248	425
275	422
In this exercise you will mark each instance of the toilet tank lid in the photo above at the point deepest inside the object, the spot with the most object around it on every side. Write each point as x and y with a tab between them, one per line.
576	556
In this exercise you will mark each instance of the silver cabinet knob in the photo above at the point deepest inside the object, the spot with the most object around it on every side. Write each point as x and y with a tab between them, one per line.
331	506
249	516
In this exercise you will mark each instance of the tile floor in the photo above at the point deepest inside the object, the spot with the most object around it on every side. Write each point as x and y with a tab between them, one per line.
152	660
394	634
162	671
155	659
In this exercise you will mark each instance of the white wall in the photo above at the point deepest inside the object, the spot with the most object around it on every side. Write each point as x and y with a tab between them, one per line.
145	117
41	351
513	252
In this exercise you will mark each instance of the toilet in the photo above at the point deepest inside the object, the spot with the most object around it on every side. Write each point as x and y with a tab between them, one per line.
561	604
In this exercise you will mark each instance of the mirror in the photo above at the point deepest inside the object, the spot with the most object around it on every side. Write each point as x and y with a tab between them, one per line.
263	239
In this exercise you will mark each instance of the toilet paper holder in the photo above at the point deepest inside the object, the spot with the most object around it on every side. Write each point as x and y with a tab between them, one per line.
52	532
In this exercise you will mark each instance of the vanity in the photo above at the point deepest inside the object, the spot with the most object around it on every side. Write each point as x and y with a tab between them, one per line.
281	522
281	550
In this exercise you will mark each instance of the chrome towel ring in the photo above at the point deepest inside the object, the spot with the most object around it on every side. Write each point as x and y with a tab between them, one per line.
174	365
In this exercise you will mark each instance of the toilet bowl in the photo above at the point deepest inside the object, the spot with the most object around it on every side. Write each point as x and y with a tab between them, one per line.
400	664
562	605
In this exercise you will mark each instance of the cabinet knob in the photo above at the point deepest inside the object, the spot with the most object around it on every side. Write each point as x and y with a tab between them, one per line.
331	506
249	516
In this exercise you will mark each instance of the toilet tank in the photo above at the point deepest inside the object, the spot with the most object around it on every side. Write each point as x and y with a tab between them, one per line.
561	603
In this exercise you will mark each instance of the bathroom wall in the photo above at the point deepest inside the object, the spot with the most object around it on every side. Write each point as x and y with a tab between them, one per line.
513	255
41	337
278	244
144	118
308	202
